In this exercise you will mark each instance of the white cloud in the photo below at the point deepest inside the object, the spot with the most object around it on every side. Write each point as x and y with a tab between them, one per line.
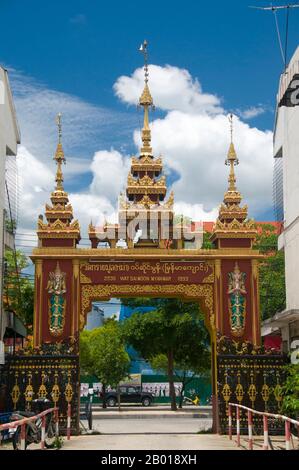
252	112
195	212
36	183
110	170
94	204
85	129
84	126
172	89
193	139
90	207
196	145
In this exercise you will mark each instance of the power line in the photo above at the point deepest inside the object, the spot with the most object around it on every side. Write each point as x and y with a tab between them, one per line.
274	9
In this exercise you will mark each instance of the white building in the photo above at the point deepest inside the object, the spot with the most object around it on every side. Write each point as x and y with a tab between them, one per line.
9	139
95	318
286	197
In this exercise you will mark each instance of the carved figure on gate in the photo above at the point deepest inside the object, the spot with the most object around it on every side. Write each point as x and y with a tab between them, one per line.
56	287
237	300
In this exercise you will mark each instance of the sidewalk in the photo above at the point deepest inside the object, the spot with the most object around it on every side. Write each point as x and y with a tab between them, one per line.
150	442
151	412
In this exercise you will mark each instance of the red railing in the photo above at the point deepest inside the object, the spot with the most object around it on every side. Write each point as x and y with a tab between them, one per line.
24	421
250	412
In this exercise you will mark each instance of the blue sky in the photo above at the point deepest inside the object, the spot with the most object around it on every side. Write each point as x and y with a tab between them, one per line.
69	56
81	47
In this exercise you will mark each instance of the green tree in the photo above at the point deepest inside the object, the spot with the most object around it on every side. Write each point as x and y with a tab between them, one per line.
86	362
103	354
272	285
206	243
267	238
290	403
272	272
171	330
18	292
188	367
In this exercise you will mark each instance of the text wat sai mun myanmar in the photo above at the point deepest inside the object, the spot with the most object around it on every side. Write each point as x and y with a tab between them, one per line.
139	272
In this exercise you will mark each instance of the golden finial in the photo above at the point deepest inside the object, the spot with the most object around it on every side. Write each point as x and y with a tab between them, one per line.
232	159
59	155
58	122
146	101
143	49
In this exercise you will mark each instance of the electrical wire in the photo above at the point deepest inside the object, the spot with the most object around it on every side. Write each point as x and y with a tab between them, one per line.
279	38
287	35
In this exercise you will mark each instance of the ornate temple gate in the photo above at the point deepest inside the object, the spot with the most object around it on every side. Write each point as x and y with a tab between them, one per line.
203	276
52	374
223	280
250	377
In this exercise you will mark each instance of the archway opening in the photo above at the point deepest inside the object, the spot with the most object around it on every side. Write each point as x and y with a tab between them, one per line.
168	344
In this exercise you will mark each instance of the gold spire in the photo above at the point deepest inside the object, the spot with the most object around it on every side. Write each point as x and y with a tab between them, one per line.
59	156
232	159
146	101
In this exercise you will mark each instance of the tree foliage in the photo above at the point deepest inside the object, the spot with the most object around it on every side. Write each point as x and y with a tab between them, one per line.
103	354
86	362
188	367
291	392
174	329
18	292
272	272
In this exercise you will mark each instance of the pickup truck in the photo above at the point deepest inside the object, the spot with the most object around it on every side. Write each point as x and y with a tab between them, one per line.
129	394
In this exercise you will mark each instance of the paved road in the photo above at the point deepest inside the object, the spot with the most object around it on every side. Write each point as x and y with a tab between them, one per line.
149	434
150	442
151	426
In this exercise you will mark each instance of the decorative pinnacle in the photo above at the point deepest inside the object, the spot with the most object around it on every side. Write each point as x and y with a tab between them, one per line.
59	155
146	101
232	159
143	49
58	122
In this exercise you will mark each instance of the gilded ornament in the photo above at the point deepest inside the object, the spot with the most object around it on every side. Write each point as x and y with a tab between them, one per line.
56	287
192	291
15	393
226	392
237	301
29	391
68	393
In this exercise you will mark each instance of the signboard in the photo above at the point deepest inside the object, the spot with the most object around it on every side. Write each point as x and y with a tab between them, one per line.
152	272
290	95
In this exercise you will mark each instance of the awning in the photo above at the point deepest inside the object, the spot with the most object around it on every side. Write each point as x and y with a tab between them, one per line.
14	326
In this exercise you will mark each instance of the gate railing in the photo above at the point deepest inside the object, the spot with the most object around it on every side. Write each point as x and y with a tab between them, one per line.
250	412
23	422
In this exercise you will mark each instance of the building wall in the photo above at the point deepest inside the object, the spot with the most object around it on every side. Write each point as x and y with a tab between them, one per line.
286	141
95	318
9	138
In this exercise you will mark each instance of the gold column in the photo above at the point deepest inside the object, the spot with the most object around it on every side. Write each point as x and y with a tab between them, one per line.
75	297
255	301
218	296
38	297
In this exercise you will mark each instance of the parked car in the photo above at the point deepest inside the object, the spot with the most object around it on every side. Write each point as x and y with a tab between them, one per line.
129	394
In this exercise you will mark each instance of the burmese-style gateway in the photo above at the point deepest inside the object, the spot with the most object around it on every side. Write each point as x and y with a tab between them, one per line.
145	255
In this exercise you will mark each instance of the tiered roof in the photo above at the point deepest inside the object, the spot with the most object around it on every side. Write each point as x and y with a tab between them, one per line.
146	186
60	224
232	221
